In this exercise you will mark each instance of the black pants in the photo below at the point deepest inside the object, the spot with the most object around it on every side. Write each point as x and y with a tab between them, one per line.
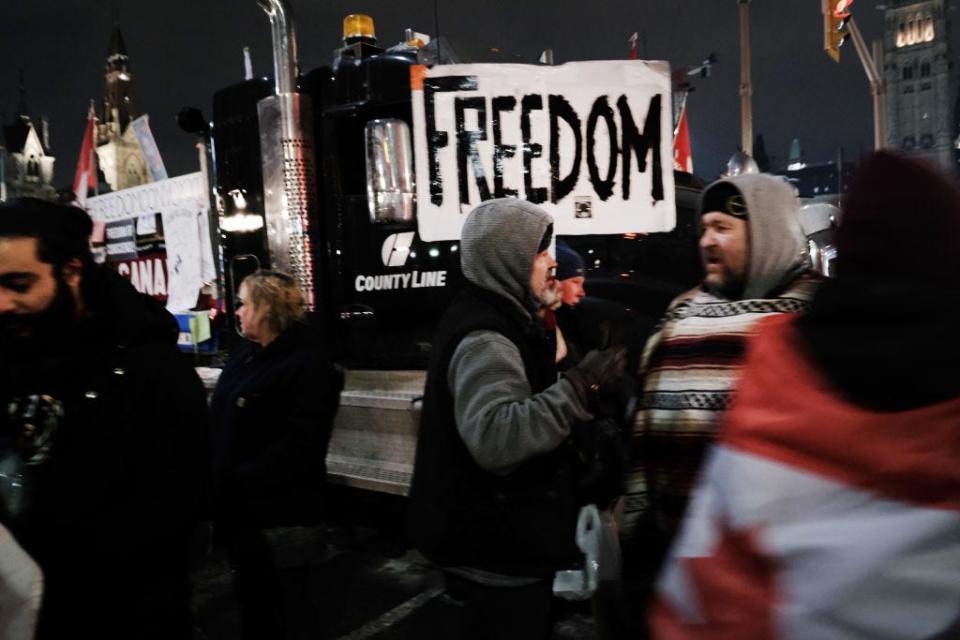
502	613
255	581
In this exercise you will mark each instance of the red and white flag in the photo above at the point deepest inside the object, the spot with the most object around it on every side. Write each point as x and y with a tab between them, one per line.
86	175
814	518
633	47
682	157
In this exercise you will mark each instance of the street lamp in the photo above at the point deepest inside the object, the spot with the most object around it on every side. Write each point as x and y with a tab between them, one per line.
746	86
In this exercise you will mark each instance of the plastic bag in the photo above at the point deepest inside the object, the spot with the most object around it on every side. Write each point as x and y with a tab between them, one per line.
597	539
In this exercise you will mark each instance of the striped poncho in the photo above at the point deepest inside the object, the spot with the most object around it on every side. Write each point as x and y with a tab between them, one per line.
689	368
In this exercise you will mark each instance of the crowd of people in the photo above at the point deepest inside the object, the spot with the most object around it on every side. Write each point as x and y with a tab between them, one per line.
110	458
779	457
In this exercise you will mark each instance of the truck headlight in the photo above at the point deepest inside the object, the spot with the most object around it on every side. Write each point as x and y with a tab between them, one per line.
391	184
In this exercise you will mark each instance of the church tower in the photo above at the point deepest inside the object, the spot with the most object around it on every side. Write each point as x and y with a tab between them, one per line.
920	80
118	152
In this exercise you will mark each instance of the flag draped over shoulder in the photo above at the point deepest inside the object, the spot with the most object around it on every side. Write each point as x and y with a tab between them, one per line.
815	518
86	175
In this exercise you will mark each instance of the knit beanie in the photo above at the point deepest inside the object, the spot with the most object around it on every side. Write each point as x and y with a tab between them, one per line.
569	262
901	219
726	198
769	205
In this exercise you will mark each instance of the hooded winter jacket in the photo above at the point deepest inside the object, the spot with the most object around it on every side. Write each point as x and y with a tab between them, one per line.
492	487
113	505
691	362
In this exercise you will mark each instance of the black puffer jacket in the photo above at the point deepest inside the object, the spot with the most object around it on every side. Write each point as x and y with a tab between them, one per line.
113	507
273	412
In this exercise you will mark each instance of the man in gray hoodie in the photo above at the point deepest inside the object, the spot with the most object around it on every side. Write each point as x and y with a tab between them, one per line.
752	250
493	500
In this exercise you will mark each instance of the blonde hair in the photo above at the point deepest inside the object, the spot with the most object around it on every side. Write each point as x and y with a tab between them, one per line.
277	297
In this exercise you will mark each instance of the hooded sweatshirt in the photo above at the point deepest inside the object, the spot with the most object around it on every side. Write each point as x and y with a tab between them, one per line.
493	494
691	363
499	419
773	223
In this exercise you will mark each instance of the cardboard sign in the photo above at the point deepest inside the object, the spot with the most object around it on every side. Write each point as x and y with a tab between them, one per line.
590	142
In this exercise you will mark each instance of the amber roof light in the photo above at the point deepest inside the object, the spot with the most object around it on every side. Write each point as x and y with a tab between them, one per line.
358	25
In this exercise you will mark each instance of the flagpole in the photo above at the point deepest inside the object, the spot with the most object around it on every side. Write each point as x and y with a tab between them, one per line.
92	115
632	55
746	84
679	116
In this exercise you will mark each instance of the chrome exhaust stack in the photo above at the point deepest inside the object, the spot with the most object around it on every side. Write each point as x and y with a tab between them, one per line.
288	159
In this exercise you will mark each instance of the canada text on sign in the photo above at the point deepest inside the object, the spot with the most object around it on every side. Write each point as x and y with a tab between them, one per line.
590	142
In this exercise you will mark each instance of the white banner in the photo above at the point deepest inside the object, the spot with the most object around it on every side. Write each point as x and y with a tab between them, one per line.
181	258
590	142
148	198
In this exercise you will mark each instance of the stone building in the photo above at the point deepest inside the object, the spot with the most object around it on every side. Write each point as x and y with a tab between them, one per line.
920	80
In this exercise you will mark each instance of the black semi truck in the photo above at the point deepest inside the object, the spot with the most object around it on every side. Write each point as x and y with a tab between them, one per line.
312	174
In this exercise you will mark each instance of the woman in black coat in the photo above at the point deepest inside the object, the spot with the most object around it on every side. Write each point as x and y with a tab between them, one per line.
273	411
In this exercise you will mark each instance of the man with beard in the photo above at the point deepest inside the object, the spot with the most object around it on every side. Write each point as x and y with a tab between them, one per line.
752	250
102	434
493	495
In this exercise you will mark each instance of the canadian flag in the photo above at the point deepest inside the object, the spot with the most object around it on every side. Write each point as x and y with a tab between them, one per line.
633	47
86	176
682	158
814	518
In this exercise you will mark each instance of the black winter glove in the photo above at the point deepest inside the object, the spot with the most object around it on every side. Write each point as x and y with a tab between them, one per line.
598	371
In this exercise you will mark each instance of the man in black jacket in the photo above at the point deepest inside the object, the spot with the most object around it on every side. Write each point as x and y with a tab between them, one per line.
493	495
102	435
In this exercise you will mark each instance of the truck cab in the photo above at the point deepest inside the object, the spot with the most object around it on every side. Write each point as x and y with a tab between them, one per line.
378	287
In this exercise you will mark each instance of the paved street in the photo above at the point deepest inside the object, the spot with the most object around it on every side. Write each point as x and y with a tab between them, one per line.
354	579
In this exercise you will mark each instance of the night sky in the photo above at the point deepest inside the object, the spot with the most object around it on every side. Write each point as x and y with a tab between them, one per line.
181	51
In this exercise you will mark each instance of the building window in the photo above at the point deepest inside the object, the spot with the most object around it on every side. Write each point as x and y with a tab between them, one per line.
33	168
925	86
909	142
908	72
915	28
925	70
926	141
908	89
